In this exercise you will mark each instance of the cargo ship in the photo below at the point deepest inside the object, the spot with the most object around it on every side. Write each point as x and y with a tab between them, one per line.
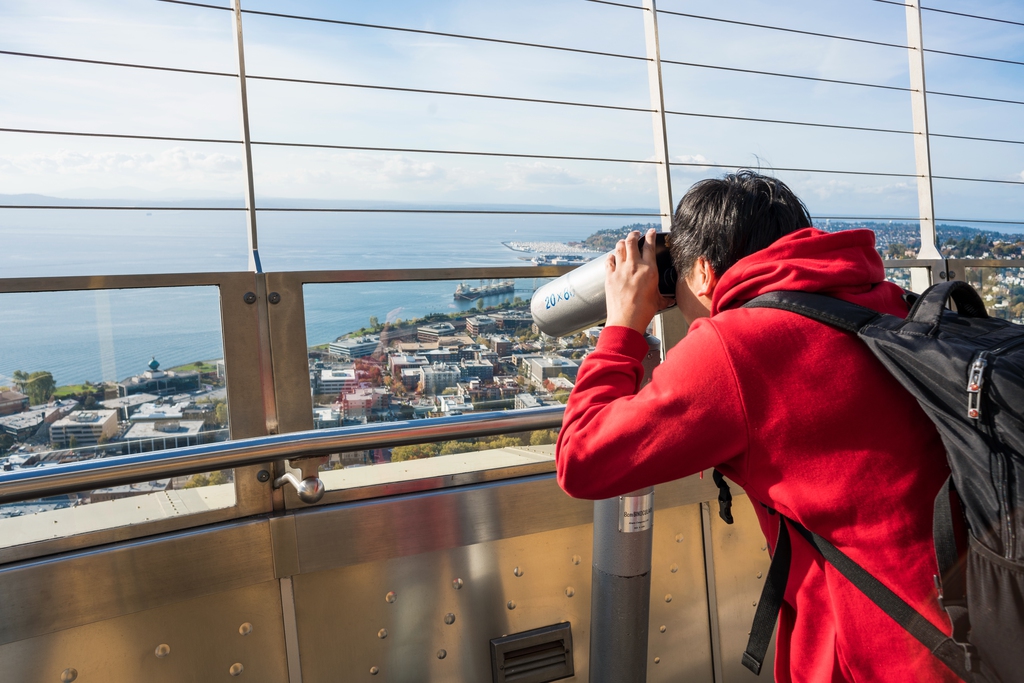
466	293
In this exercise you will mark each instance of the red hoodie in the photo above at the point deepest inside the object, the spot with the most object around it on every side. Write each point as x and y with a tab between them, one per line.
808	422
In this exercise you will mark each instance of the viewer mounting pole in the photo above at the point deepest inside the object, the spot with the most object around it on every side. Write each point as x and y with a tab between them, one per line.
920	277
250	188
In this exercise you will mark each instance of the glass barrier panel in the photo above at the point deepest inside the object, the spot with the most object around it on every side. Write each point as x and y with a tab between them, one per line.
1002	290
395	351
99	374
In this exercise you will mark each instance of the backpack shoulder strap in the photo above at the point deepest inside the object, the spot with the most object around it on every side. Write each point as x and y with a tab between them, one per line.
820	307
960	659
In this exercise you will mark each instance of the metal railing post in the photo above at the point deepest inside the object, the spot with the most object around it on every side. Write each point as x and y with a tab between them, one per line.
921	278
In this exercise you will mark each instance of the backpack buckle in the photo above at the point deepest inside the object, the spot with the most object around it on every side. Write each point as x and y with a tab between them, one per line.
971	660
975	380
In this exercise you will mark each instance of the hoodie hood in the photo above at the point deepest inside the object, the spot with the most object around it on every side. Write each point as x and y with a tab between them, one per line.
841	264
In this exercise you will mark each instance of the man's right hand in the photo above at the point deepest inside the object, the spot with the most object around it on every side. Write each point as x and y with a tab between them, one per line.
631	283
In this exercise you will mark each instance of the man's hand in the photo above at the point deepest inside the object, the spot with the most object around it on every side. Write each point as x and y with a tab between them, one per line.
631	284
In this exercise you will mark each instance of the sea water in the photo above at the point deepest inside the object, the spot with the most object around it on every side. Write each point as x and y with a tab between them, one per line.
108	335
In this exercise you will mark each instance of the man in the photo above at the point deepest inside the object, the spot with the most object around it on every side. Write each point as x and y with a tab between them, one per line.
801	415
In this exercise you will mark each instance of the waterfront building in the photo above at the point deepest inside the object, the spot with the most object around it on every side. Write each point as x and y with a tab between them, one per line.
156	381
445	354
12	402
477	325
25	425
434	331
415	348
438	377
457	340
357	347
85	427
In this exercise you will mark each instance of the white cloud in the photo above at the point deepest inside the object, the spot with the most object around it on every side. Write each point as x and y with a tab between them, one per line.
175	163
541	173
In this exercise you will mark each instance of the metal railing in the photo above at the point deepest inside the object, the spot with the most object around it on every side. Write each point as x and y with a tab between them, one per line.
117	471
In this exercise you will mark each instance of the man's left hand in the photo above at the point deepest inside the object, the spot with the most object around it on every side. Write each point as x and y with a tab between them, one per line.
631	283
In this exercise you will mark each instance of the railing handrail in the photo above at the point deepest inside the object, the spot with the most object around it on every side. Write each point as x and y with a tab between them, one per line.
41	482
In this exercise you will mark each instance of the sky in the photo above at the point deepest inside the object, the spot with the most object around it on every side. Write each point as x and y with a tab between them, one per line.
54	95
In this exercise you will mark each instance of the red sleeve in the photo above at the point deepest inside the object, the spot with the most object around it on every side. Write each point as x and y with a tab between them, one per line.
688	418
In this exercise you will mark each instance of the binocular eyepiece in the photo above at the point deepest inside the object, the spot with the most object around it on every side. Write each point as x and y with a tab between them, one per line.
576	301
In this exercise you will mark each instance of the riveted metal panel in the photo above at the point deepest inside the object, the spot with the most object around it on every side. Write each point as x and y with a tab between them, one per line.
199	640
393	614
741	562
679	645
50	595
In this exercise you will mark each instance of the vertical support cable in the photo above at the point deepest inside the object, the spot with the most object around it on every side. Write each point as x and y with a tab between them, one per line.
920	277
658	107
250	188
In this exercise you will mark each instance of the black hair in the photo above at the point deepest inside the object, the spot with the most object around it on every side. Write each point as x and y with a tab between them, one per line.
726	219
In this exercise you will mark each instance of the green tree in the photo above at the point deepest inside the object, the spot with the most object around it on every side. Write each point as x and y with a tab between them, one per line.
20	378
414	452
220	413
90	402
197	480
479	304
543	436
38	386
218	477
374	322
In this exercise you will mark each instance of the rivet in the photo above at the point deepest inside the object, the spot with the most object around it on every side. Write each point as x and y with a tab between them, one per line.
245	629
511	604
679	538
449	618
68	675
754	603
236	669
374	671
759	575
674	568
263	476
657	660
457	584
668	598
249	297
390	597
570	591
274	298
518	571
382	634
441	654
764	547
662	628
576	559
162	650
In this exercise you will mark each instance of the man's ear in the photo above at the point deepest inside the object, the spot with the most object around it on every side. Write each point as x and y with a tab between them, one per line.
705	278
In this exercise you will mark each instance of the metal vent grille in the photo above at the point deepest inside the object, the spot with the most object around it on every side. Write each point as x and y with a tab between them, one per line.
537	656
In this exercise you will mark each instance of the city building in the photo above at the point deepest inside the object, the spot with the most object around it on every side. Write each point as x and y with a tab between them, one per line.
444	354
410	378
84	428
438	377
12	402
512	320
453	405
357	347
156	412
361	404
25	425
157	435
400	361
479	369
558	384
127	405
336	380
156	381
326	416
501	345
524	401
544	367
434	331
477	325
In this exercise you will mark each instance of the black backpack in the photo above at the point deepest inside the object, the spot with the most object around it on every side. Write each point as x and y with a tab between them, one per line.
966	370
